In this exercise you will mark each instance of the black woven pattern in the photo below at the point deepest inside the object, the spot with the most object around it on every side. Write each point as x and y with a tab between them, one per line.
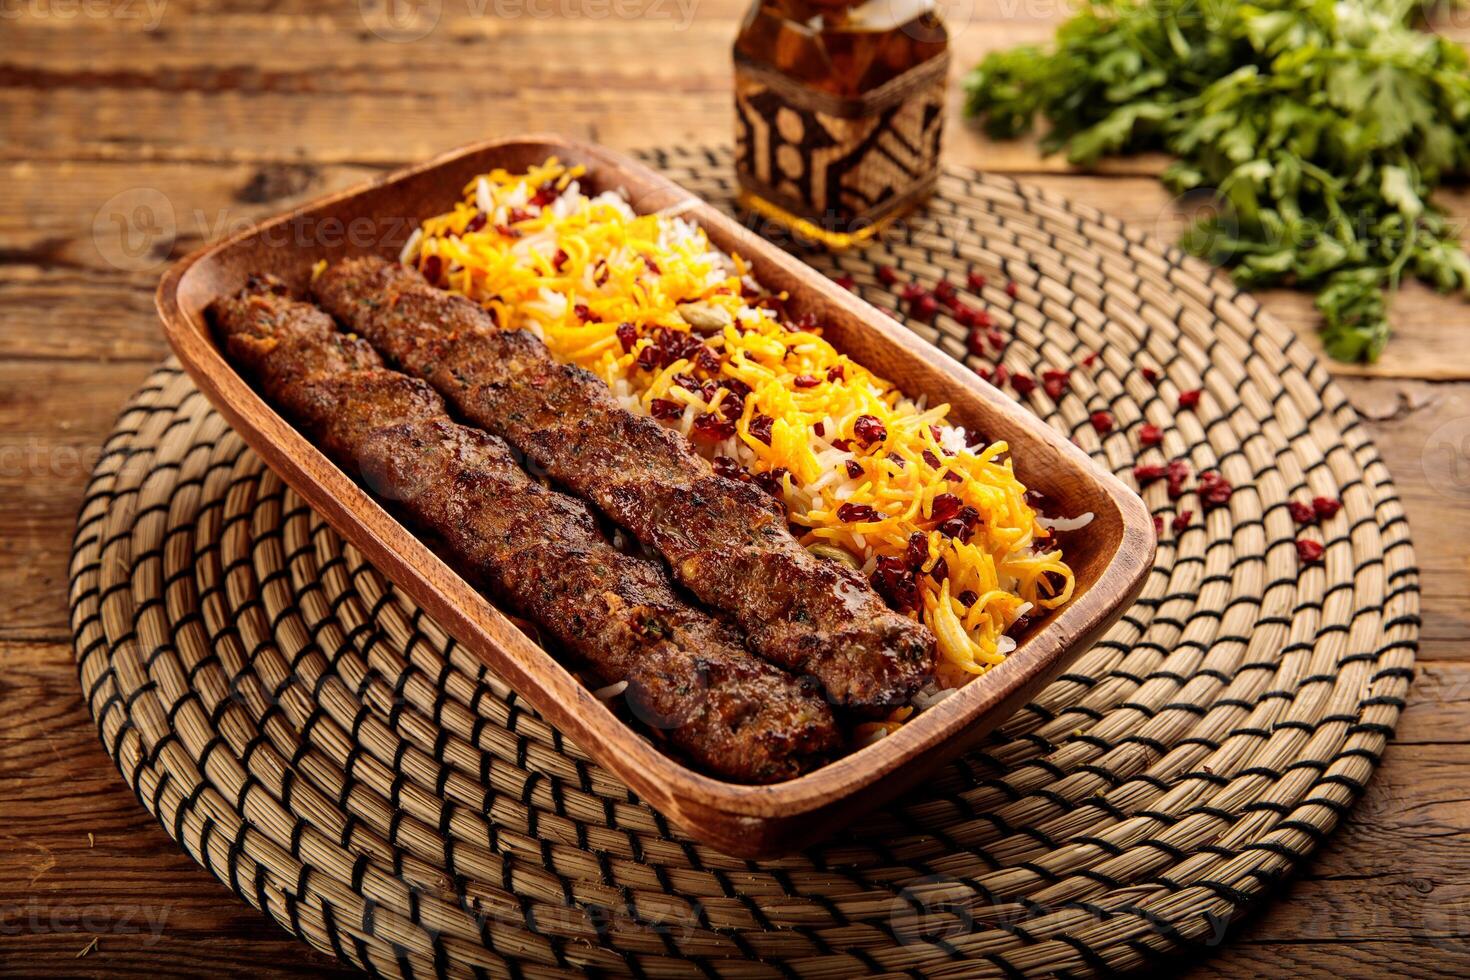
329	754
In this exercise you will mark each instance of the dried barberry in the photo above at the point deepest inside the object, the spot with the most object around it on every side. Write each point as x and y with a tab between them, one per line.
664	408
895	583
1301	512
627	336
1176	472
869	430
1214	489
728	468
771	481
945	506
713	426
1055	383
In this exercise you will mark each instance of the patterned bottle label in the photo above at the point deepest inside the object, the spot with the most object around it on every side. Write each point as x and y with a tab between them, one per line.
839	162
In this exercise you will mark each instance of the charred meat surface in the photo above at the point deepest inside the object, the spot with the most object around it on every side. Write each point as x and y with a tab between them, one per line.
726	541
537	550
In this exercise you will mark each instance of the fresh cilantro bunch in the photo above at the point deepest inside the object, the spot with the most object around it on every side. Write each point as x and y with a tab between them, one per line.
1321	126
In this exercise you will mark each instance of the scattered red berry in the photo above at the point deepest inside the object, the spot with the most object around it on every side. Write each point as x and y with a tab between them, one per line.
806	381
1102	421
1149	375
846	282
975	343
1090	359
1147	474
982	371
869	430
1176	473
1308	551
627	336
854	469
1325	507
1150	434
1011	290
1189	399
1158	525
924	307
912	291
663	408
1023	383
1055	383
944	291
886	275
996	338
835	372
1301	512
1214	489
1001	375
1181	520
976	281
854	513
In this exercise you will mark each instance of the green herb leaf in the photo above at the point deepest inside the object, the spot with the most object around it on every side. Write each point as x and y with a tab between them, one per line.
1322	127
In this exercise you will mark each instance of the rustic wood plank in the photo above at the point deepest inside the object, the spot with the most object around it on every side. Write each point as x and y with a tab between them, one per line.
1403	844
229	108
124	221
1332	960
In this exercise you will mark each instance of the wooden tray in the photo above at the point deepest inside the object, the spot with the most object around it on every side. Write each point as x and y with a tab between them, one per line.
1110	560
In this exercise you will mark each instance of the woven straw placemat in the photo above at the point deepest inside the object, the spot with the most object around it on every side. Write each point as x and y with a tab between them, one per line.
335	759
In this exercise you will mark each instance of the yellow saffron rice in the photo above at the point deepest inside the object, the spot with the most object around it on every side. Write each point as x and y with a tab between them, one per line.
601	284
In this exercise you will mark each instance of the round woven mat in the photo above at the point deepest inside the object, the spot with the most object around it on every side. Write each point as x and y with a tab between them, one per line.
335	759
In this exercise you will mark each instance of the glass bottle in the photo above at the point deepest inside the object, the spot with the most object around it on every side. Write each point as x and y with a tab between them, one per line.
839	107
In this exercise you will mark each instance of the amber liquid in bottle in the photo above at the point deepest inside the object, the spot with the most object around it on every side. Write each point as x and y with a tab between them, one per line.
839	112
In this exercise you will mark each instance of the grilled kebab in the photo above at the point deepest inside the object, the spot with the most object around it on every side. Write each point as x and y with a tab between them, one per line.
726	541
539	551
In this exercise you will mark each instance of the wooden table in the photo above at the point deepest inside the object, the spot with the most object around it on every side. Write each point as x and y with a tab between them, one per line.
204	119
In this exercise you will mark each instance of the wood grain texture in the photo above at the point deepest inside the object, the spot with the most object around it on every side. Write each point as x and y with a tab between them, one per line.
248	108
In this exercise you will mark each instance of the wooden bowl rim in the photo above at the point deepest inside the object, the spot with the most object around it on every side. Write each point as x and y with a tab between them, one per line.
653	773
